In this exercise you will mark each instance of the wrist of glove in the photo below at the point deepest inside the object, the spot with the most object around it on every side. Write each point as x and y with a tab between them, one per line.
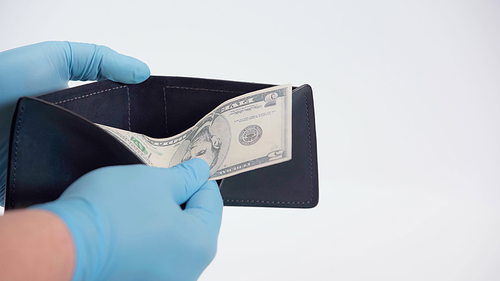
126	222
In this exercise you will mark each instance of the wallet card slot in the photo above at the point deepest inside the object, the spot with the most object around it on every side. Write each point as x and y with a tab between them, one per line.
109	106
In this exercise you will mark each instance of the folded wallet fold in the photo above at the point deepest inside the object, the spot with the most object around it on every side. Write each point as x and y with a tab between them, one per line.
54	140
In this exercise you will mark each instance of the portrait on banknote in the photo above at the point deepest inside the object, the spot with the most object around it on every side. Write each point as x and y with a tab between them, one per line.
210	141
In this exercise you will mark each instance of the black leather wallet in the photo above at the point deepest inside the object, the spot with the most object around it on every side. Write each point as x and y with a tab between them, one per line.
54	140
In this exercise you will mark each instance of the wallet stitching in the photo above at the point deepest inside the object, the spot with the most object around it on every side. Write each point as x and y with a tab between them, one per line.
311	170
200	89
165	104
310	149
128	109
15	156
91	94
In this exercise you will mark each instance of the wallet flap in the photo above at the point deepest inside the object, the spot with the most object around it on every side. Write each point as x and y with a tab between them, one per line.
50	148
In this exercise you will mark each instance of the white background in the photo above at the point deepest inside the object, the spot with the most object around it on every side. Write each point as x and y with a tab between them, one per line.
407	111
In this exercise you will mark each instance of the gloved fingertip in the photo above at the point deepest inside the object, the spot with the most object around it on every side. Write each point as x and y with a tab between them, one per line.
199	167
124	69
187	178
141	72
212	185
135	71
95	62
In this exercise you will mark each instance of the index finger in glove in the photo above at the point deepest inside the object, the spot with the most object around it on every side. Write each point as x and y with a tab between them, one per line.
206	204
186	178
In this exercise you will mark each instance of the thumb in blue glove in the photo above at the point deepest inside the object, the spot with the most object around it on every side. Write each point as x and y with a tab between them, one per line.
126	222
46	67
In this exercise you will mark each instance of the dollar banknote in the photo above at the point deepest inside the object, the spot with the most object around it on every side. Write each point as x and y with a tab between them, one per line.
248	132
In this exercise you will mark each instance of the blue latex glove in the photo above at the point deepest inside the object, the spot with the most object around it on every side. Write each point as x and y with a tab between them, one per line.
127	224
47	67
125	221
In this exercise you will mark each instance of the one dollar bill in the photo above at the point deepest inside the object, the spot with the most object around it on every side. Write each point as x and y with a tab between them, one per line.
248	132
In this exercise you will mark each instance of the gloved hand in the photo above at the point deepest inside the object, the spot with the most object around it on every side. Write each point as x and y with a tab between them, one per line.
126	222
47	67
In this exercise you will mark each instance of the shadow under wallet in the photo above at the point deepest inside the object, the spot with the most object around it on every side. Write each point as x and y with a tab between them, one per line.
54	140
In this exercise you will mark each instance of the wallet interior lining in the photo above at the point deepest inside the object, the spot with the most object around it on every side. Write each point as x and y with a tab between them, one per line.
174	95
